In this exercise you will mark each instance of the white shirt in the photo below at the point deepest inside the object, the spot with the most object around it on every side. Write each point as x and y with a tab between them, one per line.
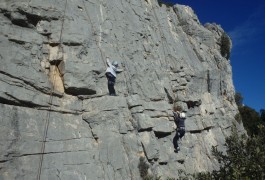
112	69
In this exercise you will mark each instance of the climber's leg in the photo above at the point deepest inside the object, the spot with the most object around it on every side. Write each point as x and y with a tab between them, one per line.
111	83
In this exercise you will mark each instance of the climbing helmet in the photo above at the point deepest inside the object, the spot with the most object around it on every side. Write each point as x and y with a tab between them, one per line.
115	63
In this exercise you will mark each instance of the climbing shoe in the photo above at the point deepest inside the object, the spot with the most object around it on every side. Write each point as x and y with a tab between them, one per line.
177	149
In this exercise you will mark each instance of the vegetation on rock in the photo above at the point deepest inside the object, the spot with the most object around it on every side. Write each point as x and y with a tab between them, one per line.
168	4
244	158
225	46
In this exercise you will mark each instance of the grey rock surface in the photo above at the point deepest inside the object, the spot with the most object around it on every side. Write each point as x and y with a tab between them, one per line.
52	65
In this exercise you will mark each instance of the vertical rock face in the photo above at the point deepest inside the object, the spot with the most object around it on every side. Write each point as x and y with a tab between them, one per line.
52	56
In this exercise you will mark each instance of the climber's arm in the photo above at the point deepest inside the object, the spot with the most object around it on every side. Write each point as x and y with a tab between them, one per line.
119	70
176	116
174	126
108	62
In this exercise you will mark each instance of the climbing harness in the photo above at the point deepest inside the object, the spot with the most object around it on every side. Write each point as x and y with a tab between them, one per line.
47	120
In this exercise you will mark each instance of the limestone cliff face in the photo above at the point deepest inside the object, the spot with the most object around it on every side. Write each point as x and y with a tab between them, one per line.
52	56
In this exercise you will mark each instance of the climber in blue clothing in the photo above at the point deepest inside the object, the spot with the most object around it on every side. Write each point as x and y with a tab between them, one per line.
111	73
179	118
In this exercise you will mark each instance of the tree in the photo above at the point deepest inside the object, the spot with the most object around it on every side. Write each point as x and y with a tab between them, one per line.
262	115
250	119
244	158
165	2
239	99
225	45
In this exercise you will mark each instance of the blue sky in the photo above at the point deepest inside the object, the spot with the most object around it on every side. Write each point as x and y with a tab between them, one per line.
244	21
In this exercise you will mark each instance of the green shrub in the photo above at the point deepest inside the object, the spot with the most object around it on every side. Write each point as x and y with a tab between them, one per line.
238	118
239	99
168	4
262	116
225	46
250	119
244	158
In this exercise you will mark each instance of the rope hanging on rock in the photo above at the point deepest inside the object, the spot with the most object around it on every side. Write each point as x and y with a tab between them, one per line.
162	39
127	71
97	43
47	120
94	33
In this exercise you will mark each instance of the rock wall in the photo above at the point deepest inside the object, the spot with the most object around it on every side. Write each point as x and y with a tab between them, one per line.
52	81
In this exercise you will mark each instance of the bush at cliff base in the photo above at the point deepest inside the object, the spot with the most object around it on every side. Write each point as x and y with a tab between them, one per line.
244	158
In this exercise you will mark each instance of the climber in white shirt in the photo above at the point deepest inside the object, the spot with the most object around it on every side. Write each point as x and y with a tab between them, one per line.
111	73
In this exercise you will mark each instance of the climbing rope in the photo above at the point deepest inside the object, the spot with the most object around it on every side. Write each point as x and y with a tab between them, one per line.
47	121
94	33
100	49
126	71
164	51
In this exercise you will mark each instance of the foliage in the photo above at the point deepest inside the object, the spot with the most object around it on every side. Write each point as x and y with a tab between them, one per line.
225	45
238	118
168	4
244	158
239	99
262	115
203	176
250	119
